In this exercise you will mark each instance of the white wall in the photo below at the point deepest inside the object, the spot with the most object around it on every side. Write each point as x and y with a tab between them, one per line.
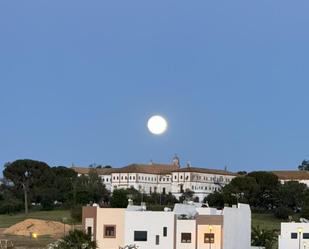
153	223
237	227
285	241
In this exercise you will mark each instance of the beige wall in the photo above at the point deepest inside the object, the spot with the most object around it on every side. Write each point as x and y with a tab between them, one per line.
202	229
185	226
110	216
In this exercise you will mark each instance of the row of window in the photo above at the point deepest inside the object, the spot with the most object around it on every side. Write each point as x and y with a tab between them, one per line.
164	179
209	238
110	232
206	188
295	235
139	178
205	178
155	189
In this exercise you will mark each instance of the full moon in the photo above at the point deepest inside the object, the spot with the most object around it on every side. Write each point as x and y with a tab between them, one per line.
157	125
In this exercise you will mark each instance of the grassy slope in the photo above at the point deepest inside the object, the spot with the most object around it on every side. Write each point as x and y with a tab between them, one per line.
266	221
56	215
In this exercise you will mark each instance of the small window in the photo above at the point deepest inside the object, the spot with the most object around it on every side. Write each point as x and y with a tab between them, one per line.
293	235
157	239
110	231
164	231
305	235
185	237
209	238
140	235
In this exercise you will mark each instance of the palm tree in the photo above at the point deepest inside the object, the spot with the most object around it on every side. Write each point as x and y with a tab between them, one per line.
75	240
263	237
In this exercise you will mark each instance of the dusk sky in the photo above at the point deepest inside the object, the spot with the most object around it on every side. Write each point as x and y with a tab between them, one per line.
79	79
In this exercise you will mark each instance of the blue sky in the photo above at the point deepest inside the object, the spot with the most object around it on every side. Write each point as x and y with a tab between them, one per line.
78	80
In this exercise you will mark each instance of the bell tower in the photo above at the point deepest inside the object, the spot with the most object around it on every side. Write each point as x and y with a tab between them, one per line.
176	161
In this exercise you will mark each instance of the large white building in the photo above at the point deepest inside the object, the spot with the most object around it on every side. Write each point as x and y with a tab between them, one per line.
188	226
294	236
301	176
163	178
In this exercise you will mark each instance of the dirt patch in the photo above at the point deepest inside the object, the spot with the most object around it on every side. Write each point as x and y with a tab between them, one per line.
39	227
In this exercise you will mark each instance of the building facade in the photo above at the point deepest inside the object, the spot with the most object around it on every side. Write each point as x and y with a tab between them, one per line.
294	235
163	178
301	176
188	226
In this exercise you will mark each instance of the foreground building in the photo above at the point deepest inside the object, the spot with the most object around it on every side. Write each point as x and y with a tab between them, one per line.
163	178
188	226
294	236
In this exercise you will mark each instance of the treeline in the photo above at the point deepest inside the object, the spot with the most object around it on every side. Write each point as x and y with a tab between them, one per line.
264	192
35	185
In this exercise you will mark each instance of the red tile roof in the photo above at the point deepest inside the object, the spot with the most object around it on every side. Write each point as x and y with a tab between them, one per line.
292	174
205	171
100	171
153	168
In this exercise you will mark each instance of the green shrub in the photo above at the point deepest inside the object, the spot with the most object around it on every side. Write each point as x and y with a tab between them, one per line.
77	213
283	213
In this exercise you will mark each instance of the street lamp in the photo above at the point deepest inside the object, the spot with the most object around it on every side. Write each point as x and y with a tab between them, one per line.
300	231
210	231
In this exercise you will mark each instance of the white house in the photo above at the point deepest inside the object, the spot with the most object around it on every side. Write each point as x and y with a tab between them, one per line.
294	236
188	226
149	229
